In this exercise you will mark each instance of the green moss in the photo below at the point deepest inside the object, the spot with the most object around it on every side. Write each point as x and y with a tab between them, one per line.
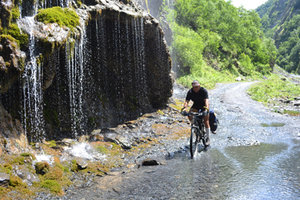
74	166
15	12
79	3
62	16
52	185
6	168
102	149
51	143
3	37
14	34
55	173
18	160
21	38
28	155
42	167
15	181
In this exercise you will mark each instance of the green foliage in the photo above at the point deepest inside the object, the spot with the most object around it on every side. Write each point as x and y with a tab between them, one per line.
214	37
282	22
62	16
52	185
292	112
274	87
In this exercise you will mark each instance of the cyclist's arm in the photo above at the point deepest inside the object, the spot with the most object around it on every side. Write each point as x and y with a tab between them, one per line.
186	103
206	103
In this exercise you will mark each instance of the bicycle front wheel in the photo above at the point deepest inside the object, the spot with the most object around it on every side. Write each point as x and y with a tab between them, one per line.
194	142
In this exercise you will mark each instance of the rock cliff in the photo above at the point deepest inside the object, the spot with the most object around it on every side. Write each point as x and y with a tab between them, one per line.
111	68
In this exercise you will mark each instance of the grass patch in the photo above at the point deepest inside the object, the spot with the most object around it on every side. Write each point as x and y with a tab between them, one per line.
207	79
273	88
292	112
62	16
53	186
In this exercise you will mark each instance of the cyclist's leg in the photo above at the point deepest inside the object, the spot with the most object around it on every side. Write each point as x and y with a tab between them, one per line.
192	110
207	129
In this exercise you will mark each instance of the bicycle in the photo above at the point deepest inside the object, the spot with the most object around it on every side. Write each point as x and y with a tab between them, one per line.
197	131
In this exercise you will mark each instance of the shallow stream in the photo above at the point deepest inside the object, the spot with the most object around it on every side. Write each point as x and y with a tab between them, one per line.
251	157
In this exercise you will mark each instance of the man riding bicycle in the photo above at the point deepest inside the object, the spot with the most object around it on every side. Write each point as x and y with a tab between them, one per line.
199	96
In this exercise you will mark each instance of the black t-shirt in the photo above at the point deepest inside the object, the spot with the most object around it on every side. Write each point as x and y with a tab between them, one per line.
198	98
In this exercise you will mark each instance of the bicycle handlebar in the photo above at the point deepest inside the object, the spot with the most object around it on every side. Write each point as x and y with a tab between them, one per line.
199	114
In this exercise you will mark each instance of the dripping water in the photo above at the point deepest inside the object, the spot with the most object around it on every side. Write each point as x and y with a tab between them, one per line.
75	79
32	89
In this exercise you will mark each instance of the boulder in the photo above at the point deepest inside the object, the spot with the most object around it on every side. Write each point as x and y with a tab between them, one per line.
42	167
150	162
124	142
4	179
24	173
297	103
238	79
81	163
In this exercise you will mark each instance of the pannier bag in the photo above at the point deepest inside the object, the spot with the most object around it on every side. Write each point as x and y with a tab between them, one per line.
213	121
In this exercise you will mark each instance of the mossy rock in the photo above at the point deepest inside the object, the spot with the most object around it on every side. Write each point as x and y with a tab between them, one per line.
62	16
55	173
74	166
42	168
15	13
6	168
15	181
21	38
20	160
28	157
52	185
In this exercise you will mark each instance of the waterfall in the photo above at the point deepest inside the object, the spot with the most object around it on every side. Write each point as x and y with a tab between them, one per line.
33	119
75	70
139	52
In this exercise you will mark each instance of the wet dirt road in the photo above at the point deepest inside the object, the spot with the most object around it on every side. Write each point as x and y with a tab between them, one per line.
255	155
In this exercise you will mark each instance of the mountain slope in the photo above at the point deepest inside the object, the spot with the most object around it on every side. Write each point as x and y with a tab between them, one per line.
281	20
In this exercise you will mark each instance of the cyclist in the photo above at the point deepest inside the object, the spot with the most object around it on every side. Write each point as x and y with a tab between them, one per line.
199	96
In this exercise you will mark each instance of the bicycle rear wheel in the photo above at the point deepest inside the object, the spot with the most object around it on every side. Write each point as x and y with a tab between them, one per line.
194	142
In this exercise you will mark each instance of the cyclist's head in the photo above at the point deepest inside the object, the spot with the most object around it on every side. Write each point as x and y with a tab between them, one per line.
196	86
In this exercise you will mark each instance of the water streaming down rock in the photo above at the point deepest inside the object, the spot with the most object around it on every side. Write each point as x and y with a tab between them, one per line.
30	7
33	119
75	67
106	71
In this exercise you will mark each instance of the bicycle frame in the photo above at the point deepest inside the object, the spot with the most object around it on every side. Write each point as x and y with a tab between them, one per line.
197	132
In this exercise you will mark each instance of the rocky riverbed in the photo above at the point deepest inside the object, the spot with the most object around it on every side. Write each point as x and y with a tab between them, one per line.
252	144
247	159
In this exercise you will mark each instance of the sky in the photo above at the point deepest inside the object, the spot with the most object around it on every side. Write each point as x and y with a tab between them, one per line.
248	4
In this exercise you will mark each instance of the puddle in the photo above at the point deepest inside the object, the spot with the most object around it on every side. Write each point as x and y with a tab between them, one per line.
273	124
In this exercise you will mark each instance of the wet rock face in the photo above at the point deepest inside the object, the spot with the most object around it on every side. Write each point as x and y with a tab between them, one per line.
111	69
11	63
12	138
126	72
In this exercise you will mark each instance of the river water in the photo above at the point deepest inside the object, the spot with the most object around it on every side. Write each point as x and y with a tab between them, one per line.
255	155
